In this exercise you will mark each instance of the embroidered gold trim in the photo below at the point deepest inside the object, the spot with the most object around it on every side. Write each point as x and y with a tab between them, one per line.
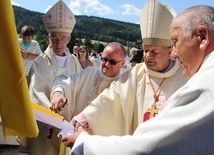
157	41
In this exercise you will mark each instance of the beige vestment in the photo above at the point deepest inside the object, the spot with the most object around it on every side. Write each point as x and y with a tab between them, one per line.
82	88
184	127
119	109
44	73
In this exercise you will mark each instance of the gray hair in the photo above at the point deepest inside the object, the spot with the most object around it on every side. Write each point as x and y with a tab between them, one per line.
193	17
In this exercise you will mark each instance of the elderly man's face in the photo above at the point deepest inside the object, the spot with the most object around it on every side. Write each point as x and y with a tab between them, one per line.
156	57
186	50
59	41
109	55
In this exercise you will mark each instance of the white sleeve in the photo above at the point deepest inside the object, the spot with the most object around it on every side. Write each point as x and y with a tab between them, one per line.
80	139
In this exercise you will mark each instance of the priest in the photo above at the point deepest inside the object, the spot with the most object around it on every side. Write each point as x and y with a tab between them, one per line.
56	63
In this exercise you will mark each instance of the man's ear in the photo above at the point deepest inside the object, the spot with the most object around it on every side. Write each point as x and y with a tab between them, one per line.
124	63
170	51
69	39
204	37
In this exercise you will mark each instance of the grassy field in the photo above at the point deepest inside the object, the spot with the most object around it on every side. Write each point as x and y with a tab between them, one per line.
97	42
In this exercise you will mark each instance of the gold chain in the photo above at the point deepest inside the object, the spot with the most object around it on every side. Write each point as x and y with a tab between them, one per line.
157	92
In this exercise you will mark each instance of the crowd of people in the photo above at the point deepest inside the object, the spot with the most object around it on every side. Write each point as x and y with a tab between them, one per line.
154	100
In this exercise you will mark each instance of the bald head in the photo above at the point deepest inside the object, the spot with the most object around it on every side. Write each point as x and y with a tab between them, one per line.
75	50
113	59
192	36
117	48
194	17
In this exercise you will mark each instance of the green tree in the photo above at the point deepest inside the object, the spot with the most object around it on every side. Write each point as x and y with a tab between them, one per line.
42	40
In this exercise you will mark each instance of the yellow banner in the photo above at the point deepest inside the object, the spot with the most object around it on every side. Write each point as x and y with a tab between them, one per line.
15	106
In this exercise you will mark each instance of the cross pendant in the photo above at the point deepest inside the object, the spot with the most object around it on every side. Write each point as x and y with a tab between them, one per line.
153	110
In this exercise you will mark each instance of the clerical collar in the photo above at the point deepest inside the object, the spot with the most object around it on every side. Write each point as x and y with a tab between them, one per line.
171	65
61	59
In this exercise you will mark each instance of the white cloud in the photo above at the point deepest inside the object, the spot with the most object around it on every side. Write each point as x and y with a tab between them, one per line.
47	8
130	9
80	7
14	3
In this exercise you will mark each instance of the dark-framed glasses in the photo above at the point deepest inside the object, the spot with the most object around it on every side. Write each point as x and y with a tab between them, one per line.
111	61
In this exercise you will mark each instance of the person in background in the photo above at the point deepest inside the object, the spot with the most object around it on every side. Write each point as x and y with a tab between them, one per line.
81	88
30	48
83	57
75	50
185	126
95	58
55	64
127	65
136	56
128	60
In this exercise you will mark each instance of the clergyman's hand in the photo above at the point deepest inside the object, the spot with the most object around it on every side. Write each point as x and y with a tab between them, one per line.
70	139
58	101
75	124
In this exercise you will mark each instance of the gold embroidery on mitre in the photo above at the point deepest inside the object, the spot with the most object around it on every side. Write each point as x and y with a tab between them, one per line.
59	18
157	41
150	18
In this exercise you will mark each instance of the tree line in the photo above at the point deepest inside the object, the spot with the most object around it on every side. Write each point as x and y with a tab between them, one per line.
87	29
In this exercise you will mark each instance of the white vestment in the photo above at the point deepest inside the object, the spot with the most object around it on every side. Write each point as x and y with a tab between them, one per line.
184	127
44	72
120	109
96	60
81	88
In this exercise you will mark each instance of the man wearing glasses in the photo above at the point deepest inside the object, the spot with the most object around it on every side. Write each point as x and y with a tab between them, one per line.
55	64
82	88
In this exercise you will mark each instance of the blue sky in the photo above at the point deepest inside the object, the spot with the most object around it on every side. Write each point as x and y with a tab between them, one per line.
122	10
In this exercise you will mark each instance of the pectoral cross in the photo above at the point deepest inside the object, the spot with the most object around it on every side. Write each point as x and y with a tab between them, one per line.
153	110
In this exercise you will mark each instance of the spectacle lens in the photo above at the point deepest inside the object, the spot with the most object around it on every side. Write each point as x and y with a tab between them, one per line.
112	62
57	40
82	51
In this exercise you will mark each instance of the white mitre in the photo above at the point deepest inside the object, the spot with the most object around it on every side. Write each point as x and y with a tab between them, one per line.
59	18
155	23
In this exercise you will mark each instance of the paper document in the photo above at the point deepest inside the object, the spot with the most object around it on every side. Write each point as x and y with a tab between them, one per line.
51	118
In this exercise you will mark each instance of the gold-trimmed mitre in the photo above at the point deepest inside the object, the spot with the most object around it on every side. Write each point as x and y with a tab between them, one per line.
59	18
155	23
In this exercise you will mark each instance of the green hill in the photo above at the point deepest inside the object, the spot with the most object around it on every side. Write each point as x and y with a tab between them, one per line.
90	27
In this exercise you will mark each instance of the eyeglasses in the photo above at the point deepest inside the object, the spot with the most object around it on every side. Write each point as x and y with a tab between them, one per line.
57	40
111	61
82	51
